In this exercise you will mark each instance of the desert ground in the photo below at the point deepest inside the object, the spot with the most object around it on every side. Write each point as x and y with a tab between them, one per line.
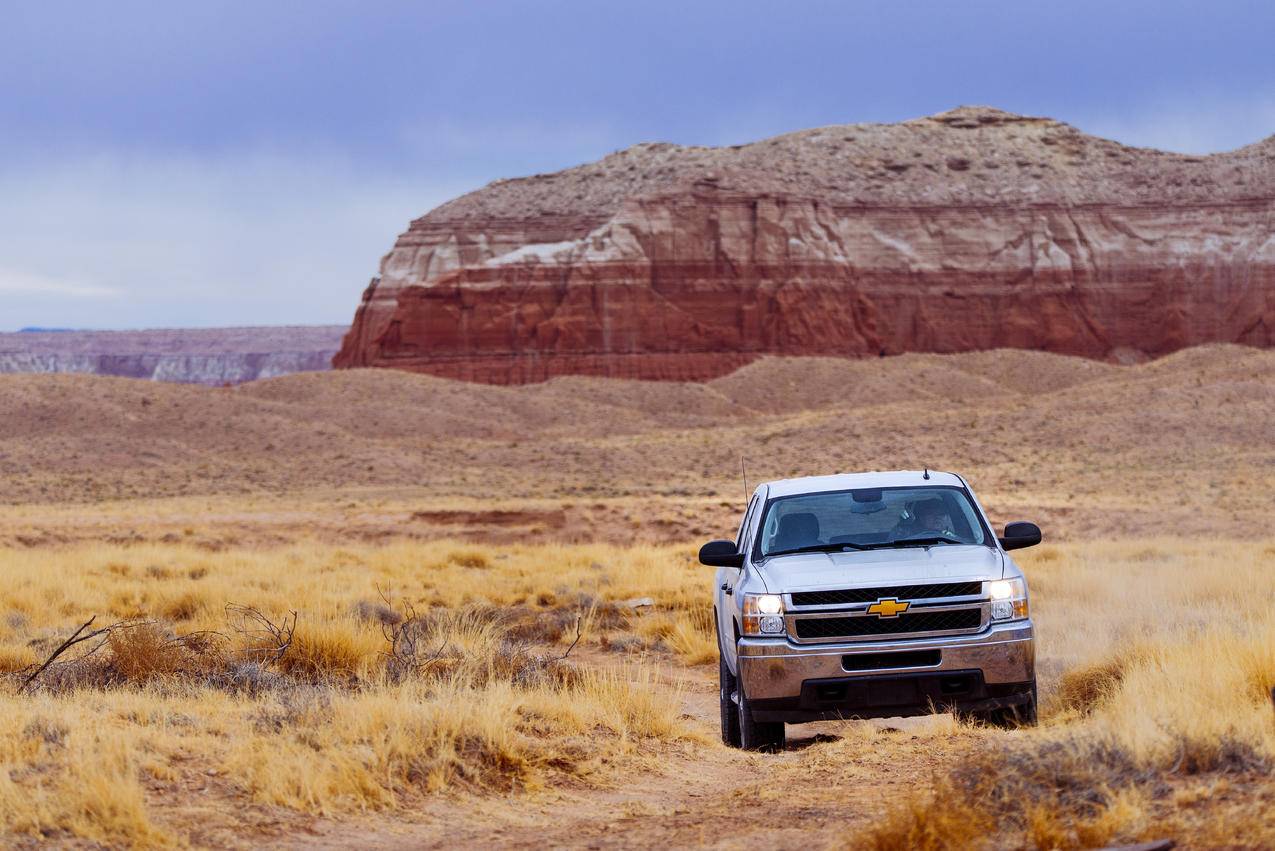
373	608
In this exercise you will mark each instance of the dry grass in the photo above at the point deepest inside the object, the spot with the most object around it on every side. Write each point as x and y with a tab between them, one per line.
1177	444
1167	659
442	543
407	675
418	668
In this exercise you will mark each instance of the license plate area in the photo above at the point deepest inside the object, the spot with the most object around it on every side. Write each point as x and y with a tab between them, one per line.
888	661
880	691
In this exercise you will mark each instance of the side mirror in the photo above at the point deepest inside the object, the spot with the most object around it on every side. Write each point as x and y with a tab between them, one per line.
721	554
1019	535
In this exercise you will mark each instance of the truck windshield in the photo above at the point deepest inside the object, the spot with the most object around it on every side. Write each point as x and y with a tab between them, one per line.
870	518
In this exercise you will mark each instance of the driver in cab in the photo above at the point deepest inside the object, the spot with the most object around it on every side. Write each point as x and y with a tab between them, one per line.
932	519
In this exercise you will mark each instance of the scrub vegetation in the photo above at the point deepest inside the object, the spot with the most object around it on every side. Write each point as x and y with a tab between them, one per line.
366	679
380	609
1159	720
360	678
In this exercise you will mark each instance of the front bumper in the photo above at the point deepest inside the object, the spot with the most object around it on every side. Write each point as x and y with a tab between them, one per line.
790	682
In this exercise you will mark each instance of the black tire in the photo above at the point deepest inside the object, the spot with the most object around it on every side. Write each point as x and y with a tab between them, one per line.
730	712
765	736
1008	717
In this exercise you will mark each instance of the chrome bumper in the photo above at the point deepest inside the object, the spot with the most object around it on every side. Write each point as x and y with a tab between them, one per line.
776	667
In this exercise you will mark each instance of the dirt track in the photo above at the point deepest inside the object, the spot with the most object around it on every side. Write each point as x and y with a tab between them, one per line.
828	785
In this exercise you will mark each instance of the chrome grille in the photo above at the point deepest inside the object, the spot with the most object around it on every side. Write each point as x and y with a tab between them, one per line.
925	621
899	592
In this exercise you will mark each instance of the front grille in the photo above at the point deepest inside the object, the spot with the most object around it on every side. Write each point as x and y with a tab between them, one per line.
868	625
898	592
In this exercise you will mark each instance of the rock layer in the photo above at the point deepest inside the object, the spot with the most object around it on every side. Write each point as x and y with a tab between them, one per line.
973	229
212	356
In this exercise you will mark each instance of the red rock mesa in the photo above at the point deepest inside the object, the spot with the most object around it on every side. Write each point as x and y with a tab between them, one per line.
972	229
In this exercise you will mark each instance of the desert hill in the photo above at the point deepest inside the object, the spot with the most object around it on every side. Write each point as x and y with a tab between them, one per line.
969	230
1184	443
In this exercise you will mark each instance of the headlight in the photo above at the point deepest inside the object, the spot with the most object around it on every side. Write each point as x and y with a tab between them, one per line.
1009	599
763	614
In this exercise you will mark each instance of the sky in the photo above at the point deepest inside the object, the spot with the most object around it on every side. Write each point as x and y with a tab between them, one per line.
180	164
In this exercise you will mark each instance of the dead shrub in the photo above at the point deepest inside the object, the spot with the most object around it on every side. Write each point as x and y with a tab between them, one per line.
1083	689
140	653
260	638
941	818
369	611
143	652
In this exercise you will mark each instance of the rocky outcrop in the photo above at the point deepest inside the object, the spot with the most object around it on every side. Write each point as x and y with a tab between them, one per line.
213	356
972	229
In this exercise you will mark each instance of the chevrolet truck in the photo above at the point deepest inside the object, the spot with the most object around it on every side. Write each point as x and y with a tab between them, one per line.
870	595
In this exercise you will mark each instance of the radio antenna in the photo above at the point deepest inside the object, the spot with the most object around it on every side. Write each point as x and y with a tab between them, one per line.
926	474
744	474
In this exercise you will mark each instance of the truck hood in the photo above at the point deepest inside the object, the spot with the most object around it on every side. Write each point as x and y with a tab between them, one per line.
858	569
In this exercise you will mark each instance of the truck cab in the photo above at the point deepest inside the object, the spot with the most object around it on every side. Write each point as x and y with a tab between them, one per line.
870	595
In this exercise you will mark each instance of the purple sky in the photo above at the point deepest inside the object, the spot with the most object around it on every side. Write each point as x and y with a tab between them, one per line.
171	164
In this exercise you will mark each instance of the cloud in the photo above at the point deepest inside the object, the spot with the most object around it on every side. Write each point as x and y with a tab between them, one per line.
1187	124
26	283
252	238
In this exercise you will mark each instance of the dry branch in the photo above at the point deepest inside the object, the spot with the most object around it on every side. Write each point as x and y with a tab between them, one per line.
268	638
579	632
76	638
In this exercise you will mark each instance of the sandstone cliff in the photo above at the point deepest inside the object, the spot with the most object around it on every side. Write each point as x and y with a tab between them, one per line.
212	356
971	229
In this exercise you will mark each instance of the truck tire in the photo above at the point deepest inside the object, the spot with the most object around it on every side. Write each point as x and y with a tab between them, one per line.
730	712
1008	717
765	736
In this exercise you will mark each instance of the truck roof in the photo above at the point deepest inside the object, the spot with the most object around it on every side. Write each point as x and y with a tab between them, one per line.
849	481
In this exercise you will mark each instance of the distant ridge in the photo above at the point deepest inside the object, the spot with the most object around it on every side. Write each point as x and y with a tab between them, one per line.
212	356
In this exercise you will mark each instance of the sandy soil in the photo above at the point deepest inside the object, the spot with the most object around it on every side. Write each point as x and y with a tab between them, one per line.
1183	446
830	783
371	455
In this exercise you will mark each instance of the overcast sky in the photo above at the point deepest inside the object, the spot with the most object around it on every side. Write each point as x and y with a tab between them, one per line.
196	164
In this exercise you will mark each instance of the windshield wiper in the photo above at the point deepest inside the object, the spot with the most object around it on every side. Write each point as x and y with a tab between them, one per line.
820	548
912	542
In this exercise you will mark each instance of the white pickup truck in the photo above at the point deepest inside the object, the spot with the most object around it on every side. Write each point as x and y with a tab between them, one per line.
870	595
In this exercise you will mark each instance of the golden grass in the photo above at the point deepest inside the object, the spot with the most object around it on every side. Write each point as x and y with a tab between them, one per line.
1166	656
337	725
689	633
339	722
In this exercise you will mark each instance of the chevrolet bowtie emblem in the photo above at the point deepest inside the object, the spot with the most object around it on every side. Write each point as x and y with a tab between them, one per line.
888	608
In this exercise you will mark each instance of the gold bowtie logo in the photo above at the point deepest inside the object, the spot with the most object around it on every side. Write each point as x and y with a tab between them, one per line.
888	608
